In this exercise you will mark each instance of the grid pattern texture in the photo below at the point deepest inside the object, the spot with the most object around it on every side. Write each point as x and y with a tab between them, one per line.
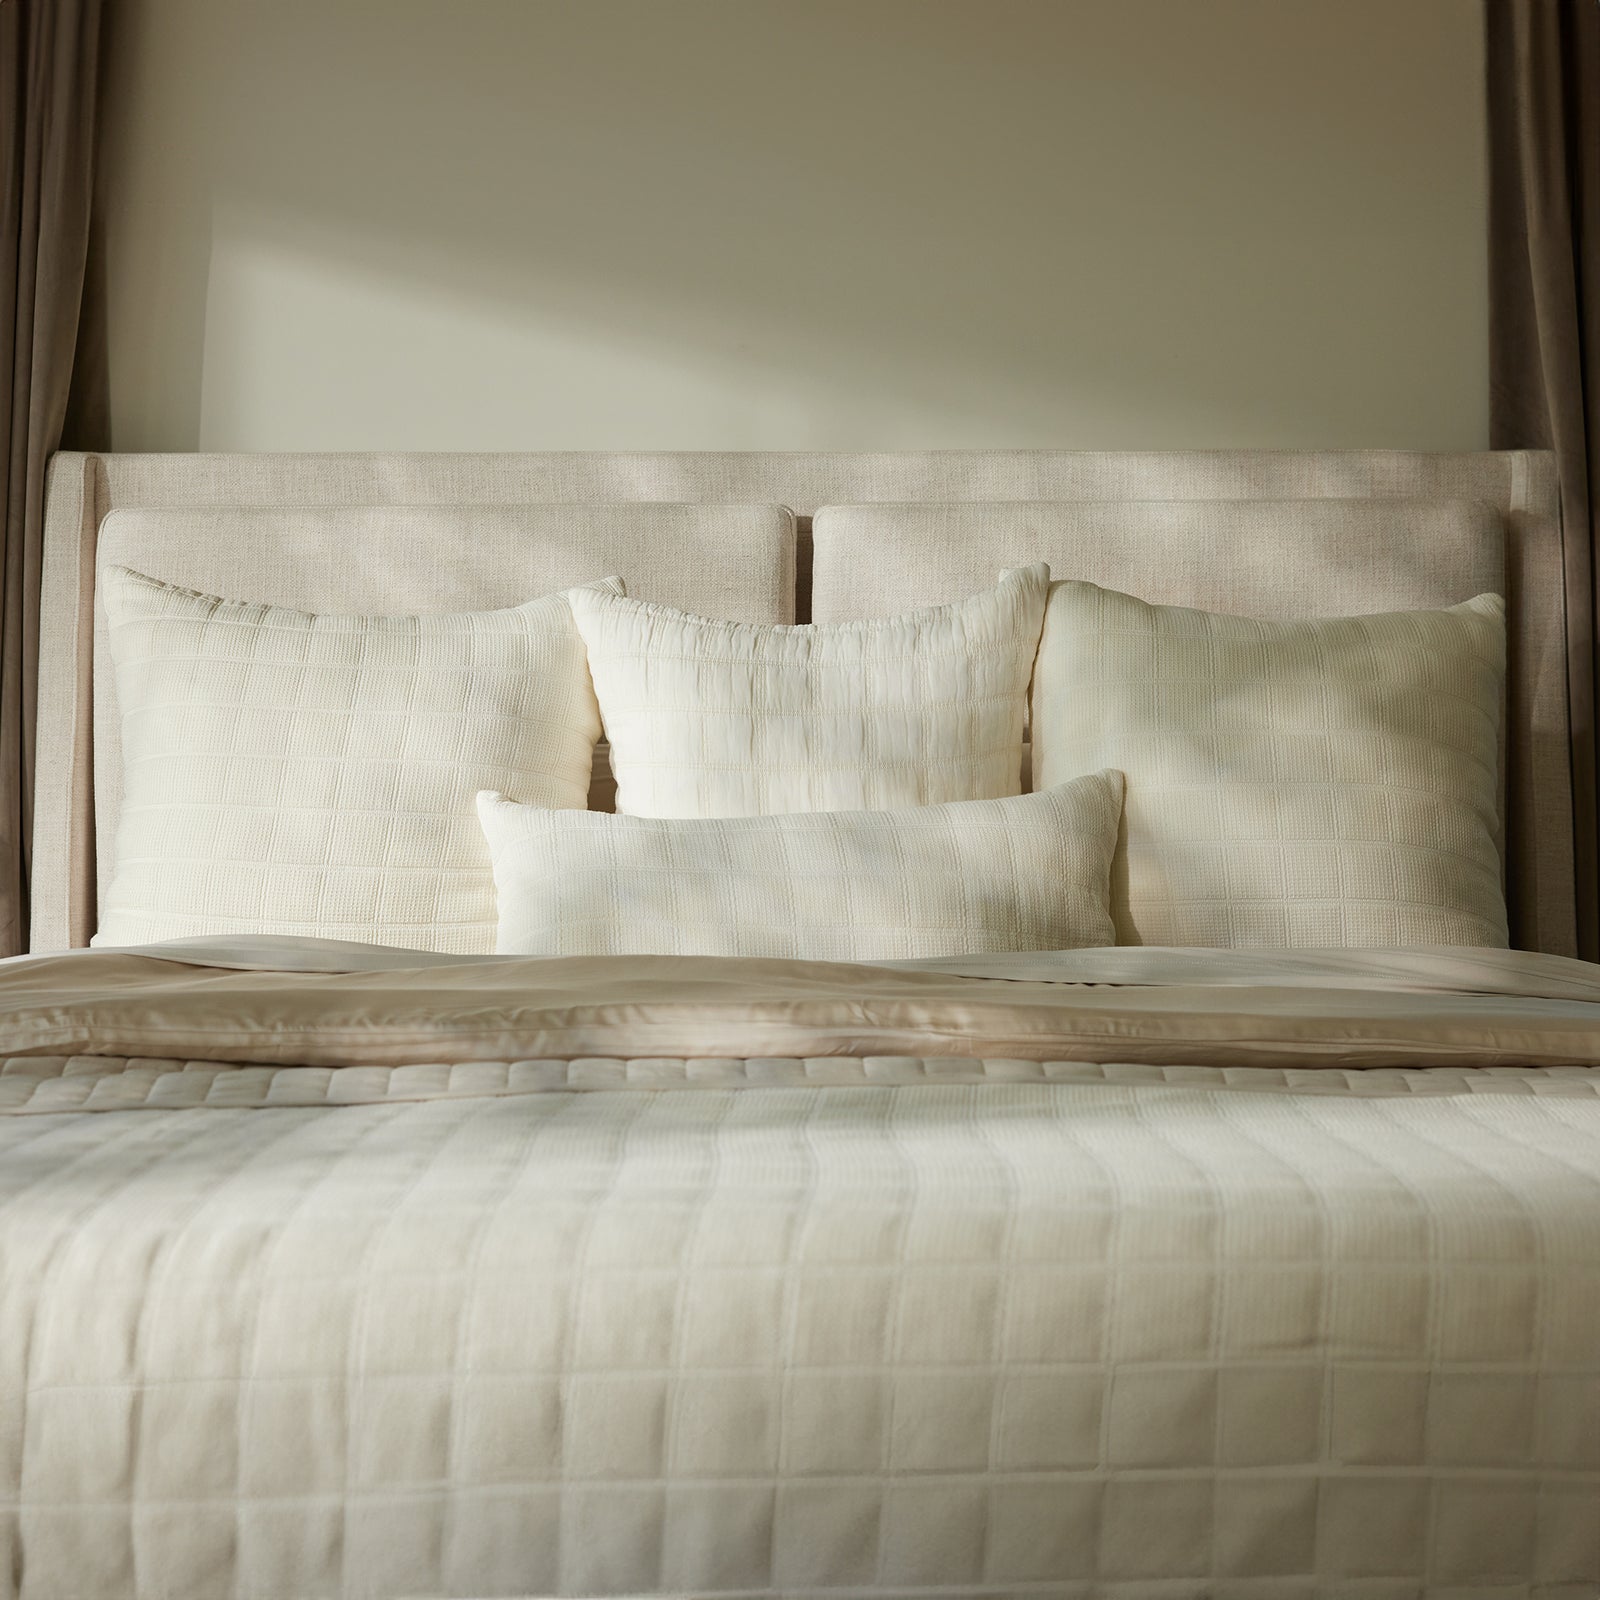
734	561
1302	488
46	1086
1288	783
295	773
1027	873
718	719
1099	1340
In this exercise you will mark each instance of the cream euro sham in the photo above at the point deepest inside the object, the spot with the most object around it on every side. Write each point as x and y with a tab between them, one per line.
728	719
305	774
1026	873
1327	783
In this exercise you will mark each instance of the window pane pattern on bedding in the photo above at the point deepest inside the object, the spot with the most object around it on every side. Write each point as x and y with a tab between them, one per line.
1288	783
1027	873
296	773
723	719
1120	1338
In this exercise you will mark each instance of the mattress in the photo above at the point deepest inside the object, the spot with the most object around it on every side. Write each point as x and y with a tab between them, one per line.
328	1271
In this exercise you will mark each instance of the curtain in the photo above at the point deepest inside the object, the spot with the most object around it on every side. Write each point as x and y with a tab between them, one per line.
49	67
1543	67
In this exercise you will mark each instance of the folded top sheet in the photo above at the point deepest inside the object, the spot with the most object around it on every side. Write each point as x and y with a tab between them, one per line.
327	1005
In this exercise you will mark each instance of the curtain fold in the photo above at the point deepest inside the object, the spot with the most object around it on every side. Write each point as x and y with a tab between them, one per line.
1542	60
49	70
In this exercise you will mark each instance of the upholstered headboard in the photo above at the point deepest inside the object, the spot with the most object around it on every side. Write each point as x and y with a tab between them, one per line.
1382	530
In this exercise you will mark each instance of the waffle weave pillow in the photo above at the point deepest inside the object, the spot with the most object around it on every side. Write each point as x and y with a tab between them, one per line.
1026	873
1289	783
730	719
294	773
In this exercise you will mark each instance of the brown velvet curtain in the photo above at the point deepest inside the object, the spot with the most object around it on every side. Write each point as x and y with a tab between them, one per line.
1543	63
49	68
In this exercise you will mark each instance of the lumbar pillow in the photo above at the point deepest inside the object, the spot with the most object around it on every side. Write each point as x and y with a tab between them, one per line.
1289	783
293	773
1026	873
729	719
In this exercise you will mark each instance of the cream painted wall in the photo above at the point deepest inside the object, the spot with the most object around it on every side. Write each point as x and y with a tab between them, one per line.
796	224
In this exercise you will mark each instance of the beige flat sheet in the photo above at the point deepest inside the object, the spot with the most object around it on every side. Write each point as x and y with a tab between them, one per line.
1538	1011
1120	1276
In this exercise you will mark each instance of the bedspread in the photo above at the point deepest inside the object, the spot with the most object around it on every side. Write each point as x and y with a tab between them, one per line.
330	1272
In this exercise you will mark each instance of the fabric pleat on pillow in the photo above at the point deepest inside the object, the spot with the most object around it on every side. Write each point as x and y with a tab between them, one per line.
727	719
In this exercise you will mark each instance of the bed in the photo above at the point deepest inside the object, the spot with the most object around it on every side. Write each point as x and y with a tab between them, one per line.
1133	1273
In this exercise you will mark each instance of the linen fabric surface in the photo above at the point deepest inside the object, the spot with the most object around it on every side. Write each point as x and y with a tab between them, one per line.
295	773
735	561
1288	783
1284	558
720	719
331	1006
1027	873
74	813
468	1279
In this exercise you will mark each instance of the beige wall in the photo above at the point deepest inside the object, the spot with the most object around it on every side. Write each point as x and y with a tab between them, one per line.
804	224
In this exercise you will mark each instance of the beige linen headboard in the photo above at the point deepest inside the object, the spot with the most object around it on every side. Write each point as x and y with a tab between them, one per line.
1061	505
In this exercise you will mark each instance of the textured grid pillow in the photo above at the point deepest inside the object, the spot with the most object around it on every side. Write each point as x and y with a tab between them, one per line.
294	773
727	719
1026	873
1289	783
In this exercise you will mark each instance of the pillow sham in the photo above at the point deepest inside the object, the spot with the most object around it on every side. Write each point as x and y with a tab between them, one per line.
1288	783
728	719
296	773
1025	873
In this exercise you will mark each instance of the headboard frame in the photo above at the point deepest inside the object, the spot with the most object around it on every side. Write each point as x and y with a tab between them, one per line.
1520	485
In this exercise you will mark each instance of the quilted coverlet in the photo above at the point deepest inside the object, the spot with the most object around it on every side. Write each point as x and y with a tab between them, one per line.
1132	1273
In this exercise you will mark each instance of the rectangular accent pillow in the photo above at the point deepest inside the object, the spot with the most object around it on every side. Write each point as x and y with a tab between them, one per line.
1026	873
727	719
294	773
1289	783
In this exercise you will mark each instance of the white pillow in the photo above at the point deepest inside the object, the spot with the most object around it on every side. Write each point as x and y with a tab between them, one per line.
1289	783
292	773
730	719
1026	873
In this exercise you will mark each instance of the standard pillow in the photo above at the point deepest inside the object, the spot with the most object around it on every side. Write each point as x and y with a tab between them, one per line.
294	773
1026	873
1289	783
730	719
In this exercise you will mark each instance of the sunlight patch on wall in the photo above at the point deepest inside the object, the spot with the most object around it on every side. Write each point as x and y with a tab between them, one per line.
747	224
307	351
